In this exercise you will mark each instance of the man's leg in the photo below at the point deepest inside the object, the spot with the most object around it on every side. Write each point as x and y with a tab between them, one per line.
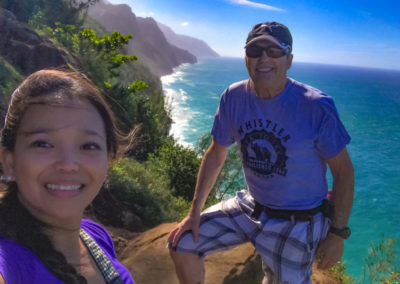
189	267
222	226
288	247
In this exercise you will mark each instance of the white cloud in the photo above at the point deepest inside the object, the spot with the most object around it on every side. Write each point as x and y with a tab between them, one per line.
257	5
184	24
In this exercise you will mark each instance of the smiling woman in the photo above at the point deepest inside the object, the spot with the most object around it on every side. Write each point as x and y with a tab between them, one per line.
58	139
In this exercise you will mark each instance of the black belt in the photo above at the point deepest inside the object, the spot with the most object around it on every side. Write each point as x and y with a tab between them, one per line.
296	215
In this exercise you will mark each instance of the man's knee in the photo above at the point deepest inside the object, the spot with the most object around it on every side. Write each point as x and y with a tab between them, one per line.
184	258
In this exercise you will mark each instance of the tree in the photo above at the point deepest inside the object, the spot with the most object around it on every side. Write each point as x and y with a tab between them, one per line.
179	164
231	177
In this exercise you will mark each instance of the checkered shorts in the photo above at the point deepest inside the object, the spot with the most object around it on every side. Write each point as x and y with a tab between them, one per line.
287	247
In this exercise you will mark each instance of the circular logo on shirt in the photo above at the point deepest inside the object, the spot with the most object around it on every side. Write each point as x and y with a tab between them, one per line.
263	153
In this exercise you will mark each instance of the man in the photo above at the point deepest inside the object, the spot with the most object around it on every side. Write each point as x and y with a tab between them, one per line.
287	133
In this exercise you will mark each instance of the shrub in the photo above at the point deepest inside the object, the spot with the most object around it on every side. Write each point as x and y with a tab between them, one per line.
179	165
339	269
145	193
231	177
380	262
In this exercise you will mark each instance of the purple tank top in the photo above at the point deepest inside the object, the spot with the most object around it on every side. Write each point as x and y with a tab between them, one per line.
19	266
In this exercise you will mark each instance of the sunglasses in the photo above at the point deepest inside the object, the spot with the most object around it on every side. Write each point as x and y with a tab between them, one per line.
255	51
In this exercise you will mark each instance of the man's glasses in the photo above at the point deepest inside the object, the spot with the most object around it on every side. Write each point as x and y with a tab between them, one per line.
255	51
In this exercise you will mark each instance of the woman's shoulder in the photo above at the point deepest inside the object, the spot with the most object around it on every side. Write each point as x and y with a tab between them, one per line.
104	241
99	235
19	265
12	253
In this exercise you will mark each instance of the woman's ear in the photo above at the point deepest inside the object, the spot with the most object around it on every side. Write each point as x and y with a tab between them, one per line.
7	163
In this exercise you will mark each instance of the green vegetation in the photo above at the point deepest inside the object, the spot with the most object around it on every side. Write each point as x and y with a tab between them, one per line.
9	79
48	11
230	179
339	269
379	265
146	193
177	164
380	262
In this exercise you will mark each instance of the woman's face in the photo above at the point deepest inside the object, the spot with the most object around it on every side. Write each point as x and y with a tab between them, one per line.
60	160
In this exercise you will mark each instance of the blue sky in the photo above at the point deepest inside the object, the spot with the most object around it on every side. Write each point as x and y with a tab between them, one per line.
359	33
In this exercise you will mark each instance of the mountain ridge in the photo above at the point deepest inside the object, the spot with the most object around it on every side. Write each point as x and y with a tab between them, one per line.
196	46
148	43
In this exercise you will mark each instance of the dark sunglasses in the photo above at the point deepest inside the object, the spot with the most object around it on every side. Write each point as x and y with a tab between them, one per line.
255	51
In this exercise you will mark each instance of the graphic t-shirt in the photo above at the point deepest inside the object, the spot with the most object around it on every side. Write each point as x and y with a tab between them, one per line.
284	141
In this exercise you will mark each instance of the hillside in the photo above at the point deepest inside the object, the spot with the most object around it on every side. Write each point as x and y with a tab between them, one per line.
195	46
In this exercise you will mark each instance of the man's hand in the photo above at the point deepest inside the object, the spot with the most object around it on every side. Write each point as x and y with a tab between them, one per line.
329	251
190	223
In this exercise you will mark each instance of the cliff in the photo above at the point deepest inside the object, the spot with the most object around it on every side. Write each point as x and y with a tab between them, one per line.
24	49
148	43
195	46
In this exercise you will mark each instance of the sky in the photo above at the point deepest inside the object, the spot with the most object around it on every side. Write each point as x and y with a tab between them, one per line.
362	33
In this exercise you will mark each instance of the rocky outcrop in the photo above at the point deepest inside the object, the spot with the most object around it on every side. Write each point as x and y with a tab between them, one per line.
195	46
148	42
154	37
147	257
24	49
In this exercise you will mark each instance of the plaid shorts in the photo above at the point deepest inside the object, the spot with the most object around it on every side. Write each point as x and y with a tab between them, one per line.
287	247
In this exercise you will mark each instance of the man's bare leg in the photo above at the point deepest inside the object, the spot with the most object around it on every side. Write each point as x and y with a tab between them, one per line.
189	267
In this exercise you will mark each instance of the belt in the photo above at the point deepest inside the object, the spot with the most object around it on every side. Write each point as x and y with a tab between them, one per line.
296	215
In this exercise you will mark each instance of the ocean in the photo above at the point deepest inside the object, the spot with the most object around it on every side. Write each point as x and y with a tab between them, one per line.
368	101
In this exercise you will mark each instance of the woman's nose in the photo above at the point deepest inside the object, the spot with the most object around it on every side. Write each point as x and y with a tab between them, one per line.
67	160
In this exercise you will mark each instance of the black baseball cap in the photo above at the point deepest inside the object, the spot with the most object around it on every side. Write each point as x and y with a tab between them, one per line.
273	32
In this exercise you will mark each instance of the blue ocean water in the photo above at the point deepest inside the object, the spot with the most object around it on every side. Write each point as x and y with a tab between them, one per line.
368	101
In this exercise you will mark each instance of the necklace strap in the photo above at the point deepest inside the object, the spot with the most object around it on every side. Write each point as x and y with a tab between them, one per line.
103	263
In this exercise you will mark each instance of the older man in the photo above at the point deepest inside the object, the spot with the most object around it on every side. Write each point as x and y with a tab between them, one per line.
288	133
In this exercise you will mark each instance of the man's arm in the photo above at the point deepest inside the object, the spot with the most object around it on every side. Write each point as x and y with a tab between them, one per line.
1	279
211	165
330	250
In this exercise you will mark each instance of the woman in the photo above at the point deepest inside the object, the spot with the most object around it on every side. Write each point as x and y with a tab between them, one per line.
57	142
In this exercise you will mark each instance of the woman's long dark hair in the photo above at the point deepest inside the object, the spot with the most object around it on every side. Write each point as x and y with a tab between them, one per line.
47	87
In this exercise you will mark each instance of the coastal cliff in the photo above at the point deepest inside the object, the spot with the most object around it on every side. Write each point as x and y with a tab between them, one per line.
149	42
195	46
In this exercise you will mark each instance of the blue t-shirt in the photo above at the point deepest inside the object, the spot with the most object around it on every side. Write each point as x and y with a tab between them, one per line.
284	141
19	266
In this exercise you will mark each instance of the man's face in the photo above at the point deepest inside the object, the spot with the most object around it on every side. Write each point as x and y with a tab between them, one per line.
266	71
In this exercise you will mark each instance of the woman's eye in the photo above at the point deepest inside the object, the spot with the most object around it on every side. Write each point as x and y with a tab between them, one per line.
41	144
91	146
